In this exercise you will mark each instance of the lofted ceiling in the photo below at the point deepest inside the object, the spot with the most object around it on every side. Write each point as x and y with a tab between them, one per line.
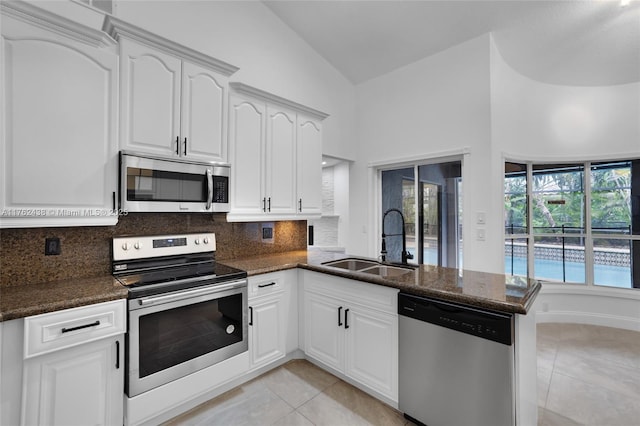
581	43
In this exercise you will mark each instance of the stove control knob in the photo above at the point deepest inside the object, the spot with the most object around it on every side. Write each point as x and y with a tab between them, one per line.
137	245
126	246
205	240
197	241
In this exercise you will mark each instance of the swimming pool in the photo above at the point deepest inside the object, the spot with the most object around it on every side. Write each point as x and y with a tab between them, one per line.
545	269
604	275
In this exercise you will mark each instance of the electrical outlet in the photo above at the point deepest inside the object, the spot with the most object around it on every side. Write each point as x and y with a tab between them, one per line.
52	246
267	232
480	234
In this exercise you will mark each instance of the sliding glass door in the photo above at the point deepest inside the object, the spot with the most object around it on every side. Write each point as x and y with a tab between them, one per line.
428	196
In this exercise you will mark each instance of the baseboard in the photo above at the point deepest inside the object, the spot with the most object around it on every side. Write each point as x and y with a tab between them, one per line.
360	386
589	318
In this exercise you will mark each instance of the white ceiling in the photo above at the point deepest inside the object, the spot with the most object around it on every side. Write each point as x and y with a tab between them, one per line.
585	43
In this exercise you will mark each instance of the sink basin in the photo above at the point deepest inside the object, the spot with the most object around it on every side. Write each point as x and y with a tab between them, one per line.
370	267
352	264
387	271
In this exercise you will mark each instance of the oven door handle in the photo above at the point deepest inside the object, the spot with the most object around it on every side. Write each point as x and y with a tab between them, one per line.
191	293
209	184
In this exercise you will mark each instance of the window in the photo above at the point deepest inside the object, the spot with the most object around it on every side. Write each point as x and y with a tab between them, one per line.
574	223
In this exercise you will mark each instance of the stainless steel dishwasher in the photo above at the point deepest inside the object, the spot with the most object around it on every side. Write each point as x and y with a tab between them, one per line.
455	364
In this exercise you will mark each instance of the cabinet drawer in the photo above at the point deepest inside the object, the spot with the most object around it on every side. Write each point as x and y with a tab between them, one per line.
262	285
70	327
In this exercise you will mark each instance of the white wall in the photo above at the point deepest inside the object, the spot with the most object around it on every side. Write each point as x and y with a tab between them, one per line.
539	121
341	200
437	105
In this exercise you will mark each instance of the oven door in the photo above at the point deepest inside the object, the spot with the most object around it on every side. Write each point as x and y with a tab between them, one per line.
175	334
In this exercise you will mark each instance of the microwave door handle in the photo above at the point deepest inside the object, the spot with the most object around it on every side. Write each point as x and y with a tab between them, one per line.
209	189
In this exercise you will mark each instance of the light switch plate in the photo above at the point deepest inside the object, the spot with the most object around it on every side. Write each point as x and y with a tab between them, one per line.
481	218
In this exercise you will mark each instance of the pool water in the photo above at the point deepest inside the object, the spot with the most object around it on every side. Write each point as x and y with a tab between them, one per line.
604	275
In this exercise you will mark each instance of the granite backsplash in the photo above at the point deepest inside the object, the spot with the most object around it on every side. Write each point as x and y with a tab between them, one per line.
86	251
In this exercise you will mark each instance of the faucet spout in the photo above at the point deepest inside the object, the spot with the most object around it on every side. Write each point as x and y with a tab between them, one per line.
405	255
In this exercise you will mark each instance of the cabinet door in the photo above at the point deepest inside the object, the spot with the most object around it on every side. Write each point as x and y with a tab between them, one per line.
78	386
309	166
204	106
372	350
266	338
58	154
247	125
281	158
150	100
324	336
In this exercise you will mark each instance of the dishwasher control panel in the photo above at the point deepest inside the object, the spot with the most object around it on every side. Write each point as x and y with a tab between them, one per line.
490	325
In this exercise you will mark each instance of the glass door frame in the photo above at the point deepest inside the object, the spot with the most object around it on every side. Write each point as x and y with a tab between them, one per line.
375	173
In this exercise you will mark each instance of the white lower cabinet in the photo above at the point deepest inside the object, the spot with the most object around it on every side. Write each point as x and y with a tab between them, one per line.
352	327
73	371
266	340
273	317
324	332
77	386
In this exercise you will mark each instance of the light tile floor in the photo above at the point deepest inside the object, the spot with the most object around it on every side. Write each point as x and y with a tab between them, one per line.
587	375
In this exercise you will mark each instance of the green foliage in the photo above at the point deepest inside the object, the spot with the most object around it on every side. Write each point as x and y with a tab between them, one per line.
558	199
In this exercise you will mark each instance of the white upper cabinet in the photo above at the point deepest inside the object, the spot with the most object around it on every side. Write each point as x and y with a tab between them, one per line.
173	99
247	135
58	151
150	99
281	161
276	156
309	166
204	113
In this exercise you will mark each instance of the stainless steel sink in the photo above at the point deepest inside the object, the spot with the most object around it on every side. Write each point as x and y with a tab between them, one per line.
370	267
387	271
352	264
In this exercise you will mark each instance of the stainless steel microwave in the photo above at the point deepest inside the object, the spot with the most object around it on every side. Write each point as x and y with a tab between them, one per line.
150	183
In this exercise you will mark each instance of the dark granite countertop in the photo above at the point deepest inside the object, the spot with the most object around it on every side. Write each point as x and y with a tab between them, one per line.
32	299
479	289
490	291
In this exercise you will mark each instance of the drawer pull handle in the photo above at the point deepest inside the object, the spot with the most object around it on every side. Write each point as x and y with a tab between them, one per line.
250	315
93	324
266	285
346	319
340	316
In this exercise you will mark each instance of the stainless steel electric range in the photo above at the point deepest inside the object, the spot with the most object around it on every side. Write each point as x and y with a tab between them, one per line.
185	311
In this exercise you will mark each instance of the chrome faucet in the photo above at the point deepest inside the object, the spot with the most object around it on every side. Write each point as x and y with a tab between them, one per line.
405	254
